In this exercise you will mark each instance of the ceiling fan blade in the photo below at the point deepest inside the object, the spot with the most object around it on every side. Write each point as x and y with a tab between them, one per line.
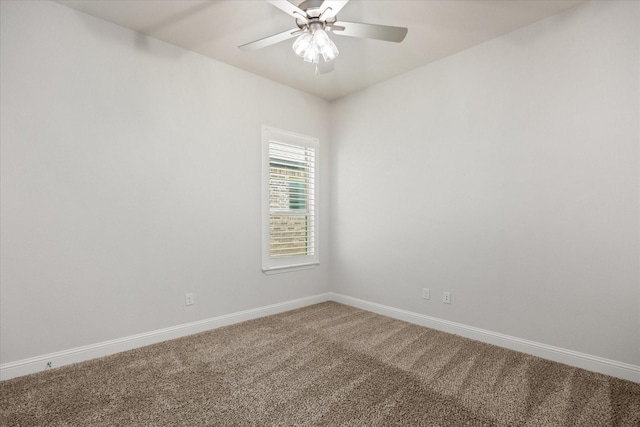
268	41
330	8
370	31
290	9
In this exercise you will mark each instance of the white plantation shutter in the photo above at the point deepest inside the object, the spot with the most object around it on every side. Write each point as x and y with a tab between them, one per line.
291	200
290	238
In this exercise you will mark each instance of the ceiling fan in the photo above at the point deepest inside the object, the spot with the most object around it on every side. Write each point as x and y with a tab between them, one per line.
314	20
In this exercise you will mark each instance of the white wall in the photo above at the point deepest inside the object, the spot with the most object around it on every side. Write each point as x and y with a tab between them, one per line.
130	176
507	174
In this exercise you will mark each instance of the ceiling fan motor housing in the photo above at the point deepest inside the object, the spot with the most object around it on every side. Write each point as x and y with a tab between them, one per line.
313	19
311	7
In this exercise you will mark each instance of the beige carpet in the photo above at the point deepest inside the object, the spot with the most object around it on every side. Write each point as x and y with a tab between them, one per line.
328	364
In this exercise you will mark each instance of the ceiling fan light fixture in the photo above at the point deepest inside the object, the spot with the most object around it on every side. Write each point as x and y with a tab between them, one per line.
325	45
302	44
321	38
312	55
310	46
330	51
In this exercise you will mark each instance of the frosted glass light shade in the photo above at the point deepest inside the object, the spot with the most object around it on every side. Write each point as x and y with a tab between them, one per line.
329	52
312	55
302	44
320	38
325	46
310	46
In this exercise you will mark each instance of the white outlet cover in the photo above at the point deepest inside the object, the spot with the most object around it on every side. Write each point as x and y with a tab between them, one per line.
188	299
446	297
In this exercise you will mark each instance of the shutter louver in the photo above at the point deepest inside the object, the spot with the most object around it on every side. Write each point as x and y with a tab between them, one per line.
291	200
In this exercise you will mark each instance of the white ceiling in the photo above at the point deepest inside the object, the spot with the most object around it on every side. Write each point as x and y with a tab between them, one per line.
215	28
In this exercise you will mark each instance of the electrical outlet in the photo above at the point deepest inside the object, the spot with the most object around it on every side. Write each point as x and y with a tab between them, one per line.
446	297
188	299
426	293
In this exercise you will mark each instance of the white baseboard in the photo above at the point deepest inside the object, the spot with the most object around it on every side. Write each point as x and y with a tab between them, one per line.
569	357
80	354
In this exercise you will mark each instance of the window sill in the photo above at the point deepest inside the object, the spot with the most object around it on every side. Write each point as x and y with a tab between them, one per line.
289	268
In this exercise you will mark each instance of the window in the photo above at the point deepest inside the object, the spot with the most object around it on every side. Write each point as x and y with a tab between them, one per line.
289	200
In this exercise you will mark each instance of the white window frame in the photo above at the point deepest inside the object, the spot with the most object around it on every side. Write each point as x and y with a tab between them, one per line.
298	262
